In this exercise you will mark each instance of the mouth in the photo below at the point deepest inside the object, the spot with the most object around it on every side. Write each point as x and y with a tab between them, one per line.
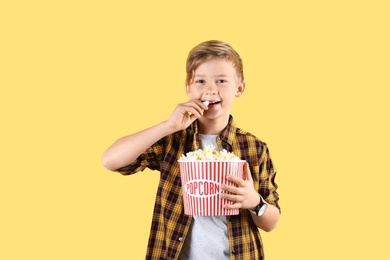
211	103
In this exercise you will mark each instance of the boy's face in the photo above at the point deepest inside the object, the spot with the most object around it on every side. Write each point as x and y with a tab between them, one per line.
216	80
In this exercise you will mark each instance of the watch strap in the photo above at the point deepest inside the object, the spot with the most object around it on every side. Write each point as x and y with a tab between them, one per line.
261	208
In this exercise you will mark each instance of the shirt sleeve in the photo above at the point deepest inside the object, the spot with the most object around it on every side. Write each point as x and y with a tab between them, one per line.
268	185
151	158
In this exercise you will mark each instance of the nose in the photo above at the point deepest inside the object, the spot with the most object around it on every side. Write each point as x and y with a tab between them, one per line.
211	89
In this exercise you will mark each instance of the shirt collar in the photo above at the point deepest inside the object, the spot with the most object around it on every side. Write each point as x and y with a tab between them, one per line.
227	135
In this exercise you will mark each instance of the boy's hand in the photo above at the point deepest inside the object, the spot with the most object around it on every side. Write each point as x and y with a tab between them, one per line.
186	113
244	195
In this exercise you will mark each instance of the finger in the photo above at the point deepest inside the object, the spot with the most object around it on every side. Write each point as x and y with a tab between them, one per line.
193	117
204	106
195	106
232	197
201	104
237	180
192	111
233	206
231	189
234	201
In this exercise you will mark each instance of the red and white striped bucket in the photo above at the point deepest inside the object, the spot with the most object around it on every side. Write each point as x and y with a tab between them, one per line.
201	184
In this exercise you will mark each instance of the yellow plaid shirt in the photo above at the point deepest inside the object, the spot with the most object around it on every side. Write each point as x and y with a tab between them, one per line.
169	225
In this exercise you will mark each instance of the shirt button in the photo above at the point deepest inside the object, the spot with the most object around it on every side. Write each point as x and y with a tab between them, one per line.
180	239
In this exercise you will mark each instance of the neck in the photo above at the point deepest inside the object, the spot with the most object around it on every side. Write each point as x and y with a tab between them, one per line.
212	126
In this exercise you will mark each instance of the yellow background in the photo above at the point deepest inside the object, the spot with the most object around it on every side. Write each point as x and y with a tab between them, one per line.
77	75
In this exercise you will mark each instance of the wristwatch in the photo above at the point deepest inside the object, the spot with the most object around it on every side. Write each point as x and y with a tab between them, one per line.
261	208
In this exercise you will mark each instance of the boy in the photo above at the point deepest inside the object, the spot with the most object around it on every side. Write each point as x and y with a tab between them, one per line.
214	74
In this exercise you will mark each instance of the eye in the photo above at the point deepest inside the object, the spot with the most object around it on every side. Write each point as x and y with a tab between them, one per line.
221	81
200	81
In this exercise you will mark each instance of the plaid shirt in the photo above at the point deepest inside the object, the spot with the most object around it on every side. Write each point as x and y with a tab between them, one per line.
170	226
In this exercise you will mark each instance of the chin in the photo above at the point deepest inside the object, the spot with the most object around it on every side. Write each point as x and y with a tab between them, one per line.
215	116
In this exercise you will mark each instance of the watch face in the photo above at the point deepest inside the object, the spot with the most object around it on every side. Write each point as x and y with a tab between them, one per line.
262	210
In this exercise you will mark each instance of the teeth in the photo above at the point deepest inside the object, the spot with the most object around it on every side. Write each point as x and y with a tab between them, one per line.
207	103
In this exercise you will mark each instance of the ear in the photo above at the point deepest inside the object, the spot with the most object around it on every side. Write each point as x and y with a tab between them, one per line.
188	89
240	89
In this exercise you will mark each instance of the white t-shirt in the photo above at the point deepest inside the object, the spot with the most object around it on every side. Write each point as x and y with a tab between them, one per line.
208	236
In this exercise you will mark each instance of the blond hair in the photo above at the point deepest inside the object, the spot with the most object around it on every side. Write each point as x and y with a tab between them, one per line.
213	49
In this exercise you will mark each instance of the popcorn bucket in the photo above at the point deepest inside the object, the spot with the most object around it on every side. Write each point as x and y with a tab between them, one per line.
201	185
